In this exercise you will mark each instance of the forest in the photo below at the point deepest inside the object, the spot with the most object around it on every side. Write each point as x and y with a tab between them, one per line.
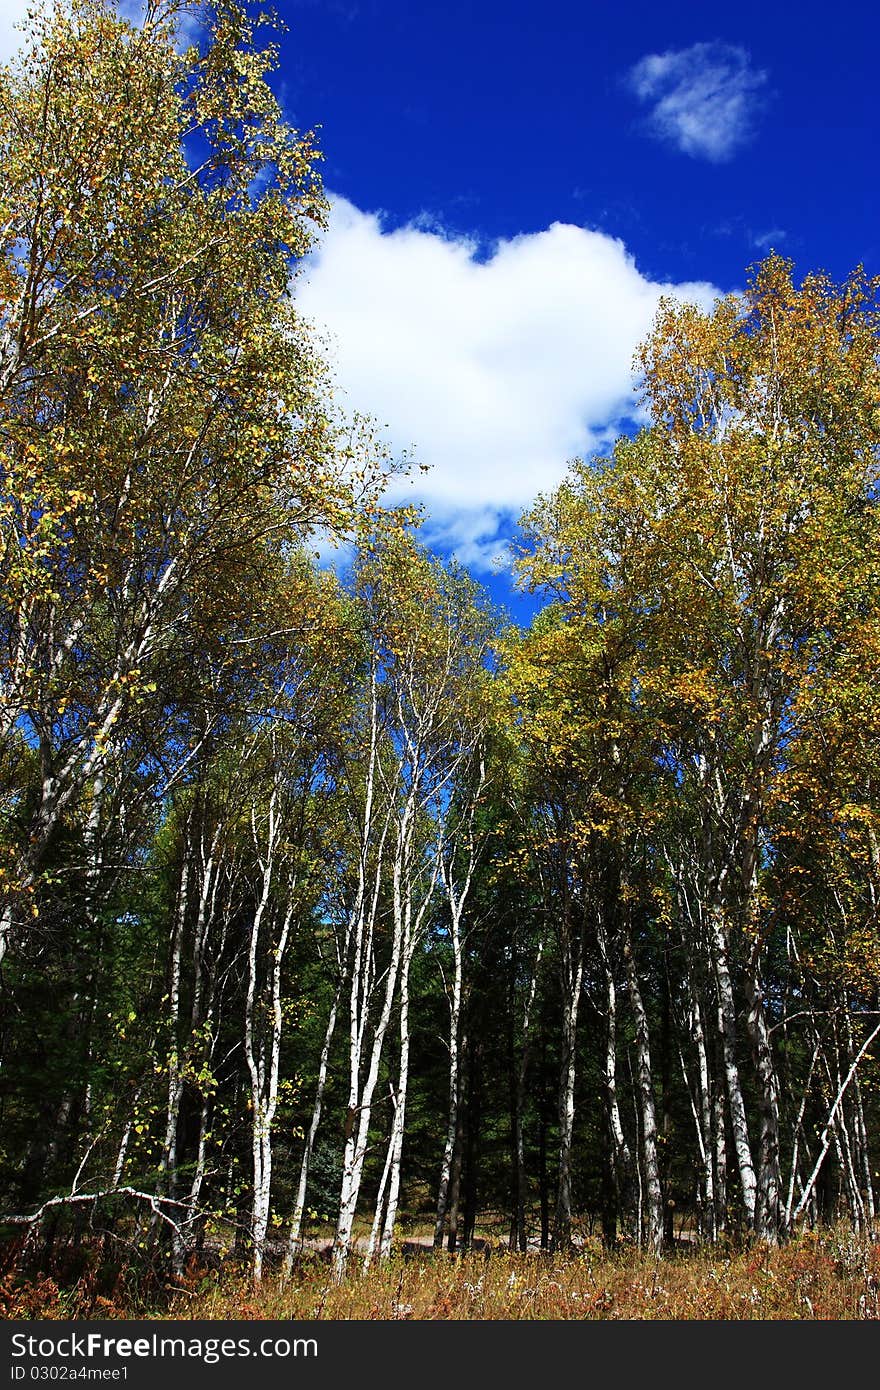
337	910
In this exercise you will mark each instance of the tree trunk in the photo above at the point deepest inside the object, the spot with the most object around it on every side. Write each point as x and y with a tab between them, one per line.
703	1118
727	1031
769	1215
645	1086
518	1230
294	1238
454	1083
455	1176
167	1184
621	1163
262	1053
358	1122
572	971
398	1120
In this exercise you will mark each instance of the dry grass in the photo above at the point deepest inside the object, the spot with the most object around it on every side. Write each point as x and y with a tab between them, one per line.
830	1276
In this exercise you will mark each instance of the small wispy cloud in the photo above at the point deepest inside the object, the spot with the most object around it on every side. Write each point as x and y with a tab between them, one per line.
703	99
768	241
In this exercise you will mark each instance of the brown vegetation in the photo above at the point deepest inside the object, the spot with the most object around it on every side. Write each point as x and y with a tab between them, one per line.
835	1275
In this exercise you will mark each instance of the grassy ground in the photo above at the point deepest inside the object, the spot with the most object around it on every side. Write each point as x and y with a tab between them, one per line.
834	1275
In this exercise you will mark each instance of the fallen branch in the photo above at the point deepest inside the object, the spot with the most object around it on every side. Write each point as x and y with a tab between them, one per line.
70	1199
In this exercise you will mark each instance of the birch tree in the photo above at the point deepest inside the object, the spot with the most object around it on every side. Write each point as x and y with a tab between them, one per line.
689	563
429	640
160	414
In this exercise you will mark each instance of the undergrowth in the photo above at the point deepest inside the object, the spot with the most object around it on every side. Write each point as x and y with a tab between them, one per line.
832	1275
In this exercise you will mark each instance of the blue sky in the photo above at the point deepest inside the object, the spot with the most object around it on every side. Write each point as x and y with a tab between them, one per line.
500	117
514	185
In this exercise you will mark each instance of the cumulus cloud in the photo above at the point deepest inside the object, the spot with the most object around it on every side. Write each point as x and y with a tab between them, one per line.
497	368
703	99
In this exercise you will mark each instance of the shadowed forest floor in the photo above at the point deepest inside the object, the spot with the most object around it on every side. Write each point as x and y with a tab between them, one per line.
833	1275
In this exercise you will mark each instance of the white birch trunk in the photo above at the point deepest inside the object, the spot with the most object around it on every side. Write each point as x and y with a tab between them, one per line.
373	1242
828	1131
454	1082
359	1124
398	1123
652	1193
621	1158
519	1235
861	1129
263	1054
769	1214
168	1163
571	1008
456	898
294	1239
703	1118
727	1029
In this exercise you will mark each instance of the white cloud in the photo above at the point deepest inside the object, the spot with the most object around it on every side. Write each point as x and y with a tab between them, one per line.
14	23
497	370
704	99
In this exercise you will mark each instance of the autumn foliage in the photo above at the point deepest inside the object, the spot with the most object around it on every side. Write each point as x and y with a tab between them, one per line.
330	900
